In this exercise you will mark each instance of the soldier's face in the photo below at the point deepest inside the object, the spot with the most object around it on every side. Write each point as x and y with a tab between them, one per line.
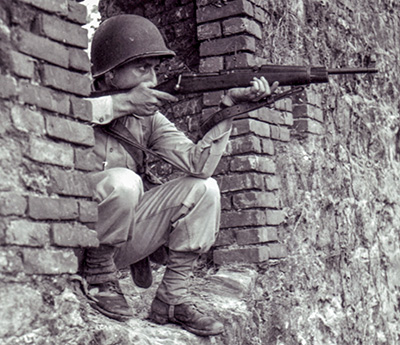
135	72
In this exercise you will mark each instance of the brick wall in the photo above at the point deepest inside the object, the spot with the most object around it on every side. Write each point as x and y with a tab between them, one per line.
46	143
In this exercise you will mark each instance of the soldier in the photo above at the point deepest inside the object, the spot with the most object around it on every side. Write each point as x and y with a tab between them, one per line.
183	214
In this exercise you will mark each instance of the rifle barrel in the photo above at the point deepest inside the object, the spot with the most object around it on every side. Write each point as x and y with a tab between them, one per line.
351	70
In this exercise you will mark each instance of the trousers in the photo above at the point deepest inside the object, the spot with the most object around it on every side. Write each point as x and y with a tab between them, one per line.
182	214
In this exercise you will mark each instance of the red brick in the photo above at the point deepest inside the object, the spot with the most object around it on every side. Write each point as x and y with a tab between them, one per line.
245	126
52	208
243	218
27	121
55	6
226	10
71	183
222	167
307	110
241	25
62	31
240	182
73	235
272	182
209	30
241	255
8	86
42	48
256	235
225	238
81	108
277	251
211	64
85	159
50	152
44	98
49	261
259	13
253	163
79	60
309	126
280	133
247	144
267	146
10	261
25	233
240	60
227	45
70	131
255	199
212	98
274	217
88	211
284	134
12	204
226	202
308	96
284	104
65	80
77	12
22	65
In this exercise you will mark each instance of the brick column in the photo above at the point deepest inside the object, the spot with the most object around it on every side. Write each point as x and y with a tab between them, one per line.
45	201
230	35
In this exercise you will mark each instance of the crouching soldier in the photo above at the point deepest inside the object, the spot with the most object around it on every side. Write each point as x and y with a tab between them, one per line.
182	215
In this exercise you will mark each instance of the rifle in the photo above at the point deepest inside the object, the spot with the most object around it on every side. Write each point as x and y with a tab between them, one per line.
223	80
298	76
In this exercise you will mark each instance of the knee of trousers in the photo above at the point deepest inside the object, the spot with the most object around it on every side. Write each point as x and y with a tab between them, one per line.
209	190
122	188
196	229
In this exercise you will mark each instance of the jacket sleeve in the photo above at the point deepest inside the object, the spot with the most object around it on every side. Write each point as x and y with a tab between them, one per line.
102	110
199	159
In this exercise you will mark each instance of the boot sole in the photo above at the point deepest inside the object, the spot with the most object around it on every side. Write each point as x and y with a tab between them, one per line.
162	320
109	314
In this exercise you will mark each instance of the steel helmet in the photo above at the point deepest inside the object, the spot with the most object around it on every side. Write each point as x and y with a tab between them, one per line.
123	38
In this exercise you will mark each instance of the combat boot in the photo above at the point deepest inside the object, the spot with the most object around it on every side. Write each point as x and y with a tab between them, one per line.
109	300
101	284
187	315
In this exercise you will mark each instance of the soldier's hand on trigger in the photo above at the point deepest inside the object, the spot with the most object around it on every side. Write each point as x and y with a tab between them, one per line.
141	100
259	88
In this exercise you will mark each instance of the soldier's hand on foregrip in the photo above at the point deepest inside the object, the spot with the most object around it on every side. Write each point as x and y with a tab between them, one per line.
259	88
141	100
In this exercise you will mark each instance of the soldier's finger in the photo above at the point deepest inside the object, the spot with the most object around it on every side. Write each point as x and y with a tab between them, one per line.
164	96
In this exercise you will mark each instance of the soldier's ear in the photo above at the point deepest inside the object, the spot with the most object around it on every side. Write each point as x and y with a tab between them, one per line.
109	79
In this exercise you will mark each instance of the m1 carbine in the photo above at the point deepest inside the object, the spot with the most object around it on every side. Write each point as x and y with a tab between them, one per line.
298	76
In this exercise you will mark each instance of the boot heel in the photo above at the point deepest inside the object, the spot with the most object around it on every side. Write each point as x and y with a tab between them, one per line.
157	318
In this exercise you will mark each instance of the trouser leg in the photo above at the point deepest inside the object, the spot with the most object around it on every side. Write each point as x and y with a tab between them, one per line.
99	265
173	289
184	215
117	191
